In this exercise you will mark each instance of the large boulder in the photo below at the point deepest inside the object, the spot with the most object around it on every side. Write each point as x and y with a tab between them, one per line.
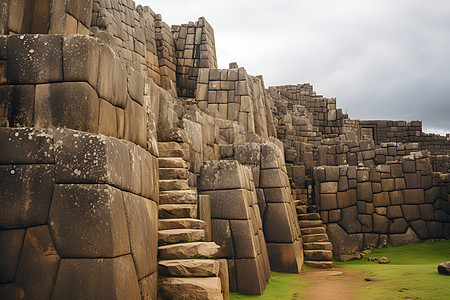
444	268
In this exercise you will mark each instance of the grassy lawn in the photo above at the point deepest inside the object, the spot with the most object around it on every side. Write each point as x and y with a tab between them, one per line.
281	286
411	273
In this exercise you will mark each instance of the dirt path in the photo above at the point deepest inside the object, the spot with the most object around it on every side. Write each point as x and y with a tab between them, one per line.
333	284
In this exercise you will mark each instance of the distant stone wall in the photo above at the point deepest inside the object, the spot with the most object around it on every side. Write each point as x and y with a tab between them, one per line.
400	202
76	206
195	50
231	94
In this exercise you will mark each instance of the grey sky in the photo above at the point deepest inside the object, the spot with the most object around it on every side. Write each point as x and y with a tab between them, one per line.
381	59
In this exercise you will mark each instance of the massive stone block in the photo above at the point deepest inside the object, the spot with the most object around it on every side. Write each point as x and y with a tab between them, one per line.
11	242
35	59
16	105
88	220
73	105
25	195
277	225
244	239
286	257
38	264
142	220
81	58
220	175
114	278
229	204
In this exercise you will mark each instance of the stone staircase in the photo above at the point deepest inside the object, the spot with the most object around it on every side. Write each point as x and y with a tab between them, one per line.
186	265
317	249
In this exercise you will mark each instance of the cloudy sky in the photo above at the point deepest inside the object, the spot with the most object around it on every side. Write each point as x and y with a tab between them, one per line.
381	59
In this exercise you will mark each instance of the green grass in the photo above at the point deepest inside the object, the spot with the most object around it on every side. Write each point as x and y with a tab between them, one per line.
281	286
411	273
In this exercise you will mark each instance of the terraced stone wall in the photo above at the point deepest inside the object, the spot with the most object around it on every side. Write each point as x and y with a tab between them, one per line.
398	203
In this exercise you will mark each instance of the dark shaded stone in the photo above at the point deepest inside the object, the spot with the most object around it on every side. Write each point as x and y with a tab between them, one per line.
334	216
416	196
400	183
444	268
412	180
221	235
135	127
435	229
115	278
142	220
432	194
331	173
221	175
380	224
112	78
346	199
396	170
298	176
371	240
271	178
72	105
409	237
420	228
81	58
10	247
394	211
424	166
427	182
278	225
426	212
281	194
362	175
38	264
35	59
387	184
16	105
244	239
249	277
398	226
349	220
376	187
409	166
366	223
286	258
344	243
374	175
327	201
25	195
328	187
381	199
411	212
396	197
343	183
229	204
89	221
364	191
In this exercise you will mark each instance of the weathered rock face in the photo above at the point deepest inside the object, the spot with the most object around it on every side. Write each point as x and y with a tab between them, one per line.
101	225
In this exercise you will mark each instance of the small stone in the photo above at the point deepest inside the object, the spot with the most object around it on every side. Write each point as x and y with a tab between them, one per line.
444	268
383	260
372	259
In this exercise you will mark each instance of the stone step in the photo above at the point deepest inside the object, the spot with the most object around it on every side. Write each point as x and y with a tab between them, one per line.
178	197
172	162
310	216
310	223
324	264
318	255
173	173
174	185
176	288
317	246
181	153
177	211
188	250
173	236
172	145
166	224
321	237
189	267
313	230
302	209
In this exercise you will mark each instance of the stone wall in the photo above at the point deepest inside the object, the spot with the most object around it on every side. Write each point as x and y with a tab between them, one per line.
233	95
47	17
276	204
400	202
76	206
236	224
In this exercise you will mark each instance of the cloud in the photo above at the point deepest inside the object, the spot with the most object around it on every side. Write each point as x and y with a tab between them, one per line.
381	59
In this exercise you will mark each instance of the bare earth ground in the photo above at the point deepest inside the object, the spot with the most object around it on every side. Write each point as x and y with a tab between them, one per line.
330	284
